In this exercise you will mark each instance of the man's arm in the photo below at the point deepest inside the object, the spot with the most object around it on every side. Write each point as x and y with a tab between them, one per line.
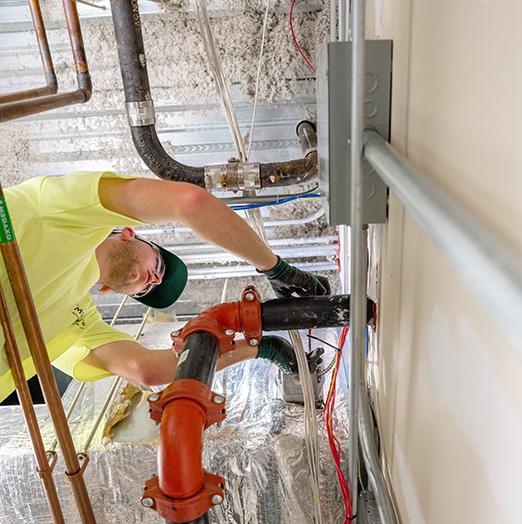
147	367
160	201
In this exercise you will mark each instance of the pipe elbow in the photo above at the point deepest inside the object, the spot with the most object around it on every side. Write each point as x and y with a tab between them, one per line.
151	151
85	86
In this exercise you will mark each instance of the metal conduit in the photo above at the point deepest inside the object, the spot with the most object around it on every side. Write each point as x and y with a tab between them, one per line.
360	422
358	247
371	459
181	249
267	224
489	267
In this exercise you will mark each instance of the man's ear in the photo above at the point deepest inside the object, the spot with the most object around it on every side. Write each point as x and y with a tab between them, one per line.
127	233
105	289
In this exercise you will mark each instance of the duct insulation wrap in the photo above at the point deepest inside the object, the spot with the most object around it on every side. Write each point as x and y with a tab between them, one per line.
259	449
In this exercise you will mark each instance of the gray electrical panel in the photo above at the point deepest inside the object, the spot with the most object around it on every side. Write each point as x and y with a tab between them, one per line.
334	91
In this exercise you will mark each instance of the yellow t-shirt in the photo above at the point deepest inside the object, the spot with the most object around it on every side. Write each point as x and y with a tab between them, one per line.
58	222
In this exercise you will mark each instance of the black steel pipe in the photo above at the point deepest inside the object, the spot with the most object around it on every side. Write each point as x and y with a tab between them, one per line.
282	314
276	174
133	65
131	52
151	151
201	359
307	133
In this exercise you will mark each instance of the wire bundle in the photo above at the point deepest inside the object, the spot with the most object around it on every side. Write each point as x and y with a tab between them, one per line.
276	202
296	43
311	429
335	447
200	7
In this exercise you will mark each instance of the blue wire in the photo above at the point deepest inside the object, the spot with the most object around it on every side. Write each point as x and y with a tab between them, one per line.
243	207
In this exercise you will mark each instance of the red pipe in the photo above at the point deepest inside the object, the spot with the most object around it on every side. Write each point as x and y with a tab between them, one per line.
180	446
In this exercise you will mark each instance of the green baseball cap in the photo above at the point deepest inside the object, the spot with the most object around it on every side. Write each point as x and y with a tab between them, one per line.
172	285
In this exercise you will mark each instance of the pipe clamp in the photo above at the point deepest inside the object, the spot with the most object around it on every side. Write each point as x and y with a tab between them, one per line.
233	176
140	113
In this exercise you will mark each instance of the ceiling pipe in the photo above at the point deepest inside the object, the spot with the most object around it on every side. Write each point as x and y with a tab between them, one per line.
51	85
20	108
232	176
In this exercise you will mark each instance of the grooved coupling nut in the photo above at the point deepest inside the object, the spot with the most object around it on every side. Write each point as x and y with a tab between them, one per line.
217	499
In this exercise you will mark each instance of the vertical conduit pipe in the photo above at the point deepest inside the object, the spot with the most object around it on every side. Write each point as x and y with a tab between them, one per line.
371	458
358	246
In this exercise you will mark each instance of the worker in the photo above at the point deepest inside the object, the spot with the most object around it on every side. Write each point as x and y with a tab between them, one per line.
75	231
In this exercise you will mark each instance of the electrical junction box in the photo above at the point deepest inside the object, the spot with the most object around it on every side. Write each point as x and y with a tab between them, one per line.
334	91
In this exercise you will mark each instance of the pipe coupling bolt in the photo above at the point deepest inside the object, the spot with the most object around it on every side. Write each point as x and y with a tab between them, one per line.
233	176
140	113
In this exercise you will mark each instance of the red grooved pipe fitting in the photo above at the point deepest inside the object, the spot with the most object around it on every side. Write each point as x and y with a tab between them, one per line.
180	446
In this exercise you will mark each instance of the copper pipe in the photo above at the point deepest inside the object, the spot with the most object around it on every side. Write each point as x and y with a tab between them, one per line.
51	86
20	108
38	105
26	308
23	95
45	470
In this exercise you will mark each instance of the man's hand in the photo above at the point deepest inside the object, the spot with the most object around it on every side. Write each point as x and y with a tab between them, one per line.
286	280
281	353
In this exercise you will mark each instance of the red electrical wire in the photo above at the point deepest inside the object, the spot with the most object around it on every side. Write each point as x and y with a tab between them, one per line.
335	447
305	58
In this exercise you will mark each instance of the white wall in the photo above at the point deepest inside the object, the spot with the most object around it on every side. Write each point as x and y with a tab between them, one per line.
449	395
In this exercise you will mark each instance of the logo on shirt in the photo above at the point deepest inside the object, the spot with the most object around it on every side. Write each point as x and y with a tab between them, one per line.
79	313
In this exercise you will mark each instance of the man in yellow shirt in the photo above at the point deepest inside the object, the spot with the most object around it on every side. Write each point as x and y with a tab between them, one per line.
65	228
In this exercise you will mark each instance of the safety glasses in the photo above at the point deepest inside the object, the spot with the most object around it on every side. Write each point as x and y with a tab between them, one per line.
160	269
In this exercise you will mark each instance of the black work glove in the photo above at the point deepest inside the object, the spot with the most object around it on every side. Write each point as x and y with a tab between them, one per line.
281	353
286	279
